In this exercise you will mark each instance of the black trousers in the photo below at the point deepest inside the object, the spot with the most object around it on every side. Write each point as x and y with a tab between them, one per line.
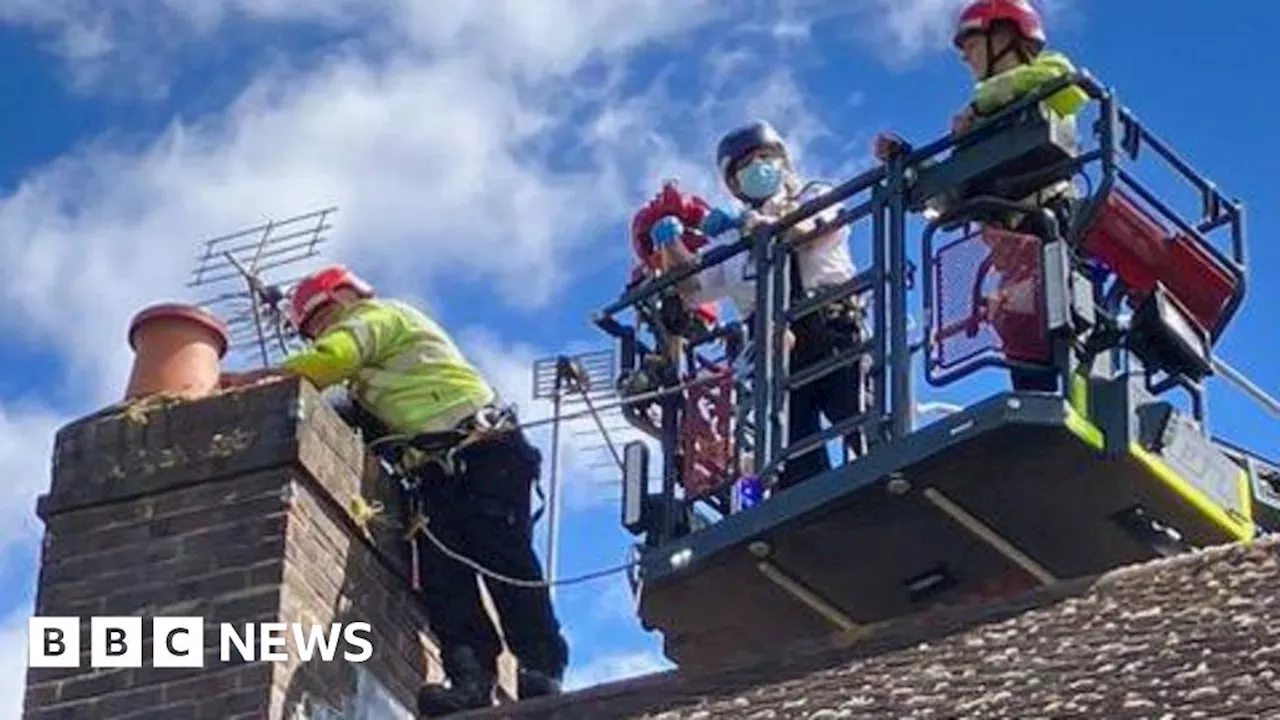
837	395
483	511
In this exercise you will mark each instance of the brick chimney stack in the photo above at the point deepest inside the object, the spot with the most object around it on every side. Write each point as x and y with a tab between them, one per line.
235	508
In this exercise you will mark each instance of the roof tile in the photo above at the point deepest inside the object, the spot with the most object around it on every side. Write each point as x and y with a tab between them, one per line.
1195	636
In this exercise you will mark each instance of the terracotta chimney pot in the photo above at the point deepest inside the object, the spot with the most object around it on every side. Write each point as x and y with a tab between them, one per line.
178	350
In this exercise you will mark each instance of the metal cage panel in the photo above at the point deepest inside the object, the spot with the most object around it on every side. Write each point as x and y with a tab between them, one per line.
989	301
706	436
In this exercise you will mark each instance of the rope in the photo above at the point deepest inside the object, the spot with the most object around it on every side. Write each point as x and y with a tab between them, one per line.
365	513
421	524
450	552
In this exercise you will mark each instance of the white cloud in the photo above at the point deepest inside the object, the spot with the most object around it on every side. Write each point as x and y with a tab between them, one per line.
909	28
116	48
13	664
904	30
425	157
26	445
616	666
104	43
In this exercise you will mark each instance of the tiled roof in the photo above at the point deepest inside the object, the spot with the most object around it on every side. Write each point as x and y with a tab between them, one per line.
1195	636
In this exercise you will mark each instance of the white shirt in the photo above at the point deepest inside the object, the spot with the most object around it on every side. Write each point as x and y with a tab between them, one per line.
822	261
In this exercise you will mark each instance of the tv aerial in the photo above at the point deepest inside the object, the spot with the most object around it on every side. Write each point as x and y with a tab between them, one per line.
237	271
579	384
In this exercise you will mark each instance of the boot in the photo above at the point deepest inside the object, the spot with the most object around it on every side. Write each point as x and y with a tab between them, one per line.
470	687
532	683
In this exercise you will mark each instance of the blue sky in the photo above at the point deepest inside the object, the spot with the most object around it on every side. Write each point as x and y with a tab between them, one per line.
486	160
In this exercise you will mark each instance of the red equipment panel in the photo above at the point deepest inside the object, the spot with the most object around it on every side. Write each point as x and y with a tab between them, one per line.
989	299
1142	251
706	435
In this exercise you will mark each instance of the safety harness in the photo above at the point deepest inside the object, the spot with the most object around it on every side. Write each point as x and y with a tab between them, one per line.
1016	47
406	458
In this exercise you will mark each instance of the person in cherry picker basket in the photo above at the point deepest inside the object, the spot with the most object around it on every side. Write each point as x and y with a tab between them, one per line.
678	319
756	167
705	448
408	378
1003	43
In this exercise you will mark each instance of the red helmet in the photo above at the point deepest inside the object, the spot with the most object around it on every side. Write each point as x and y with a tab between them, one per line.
690	209
980	15
317	290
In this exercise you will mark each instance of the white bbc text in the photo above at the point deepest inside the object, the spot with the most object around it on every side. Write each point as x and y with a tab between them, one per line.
179	642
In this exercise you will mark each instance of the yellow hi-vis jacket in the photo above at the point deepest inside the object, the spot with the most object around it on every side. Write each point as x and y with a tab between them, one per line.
1003	89
399	365
1000	90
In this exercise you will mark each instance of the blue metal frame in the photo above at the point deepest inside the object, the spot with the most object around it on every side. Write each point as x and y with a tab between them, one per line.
813	497
888	421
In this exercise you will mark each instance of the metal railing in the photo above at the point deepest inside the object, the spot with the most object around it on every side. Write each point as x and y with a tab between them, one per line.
882	197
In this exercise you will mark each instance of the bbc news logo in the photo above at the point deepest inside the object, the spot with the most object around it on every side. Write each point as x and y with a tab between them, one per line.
179	642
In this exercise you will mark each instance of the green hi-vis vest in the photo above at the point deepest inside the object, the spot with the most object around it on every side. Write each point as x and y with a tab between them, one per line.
995	93
411	376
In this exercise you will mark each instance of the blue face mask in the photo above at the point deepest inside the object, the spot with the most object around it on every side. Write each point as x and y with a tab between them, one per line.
761	179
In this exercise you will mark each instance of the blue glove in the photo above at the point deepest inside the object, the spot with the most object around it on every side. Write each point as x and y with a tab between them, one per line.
1096	270
666	232
718	222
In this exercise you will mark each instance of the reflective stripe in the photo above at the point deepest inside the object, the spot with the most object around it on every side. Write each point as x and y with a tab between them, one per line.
415	356
375	379
374	383
360	330
403	362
